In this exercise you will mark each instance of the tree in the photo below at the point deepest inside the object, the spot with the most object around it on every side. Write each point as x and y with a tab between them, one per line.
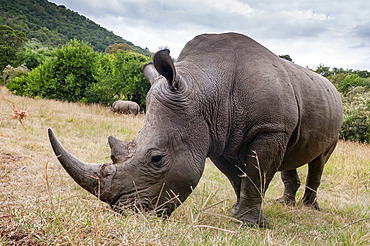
120	76
118	47
73	69
135	85
11	41
323	71
286	57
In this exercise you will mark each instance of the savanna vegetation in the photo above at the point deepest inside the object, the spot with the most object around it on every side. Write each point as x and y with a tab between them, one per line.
41	205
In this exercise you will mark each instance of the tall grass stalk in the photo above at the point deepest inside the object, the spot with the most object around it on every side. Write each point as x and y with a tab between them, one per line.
52	204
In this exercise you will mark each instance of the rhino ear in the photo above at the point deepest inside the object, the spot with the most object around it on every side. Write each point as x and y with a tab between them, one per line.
164	65
150	73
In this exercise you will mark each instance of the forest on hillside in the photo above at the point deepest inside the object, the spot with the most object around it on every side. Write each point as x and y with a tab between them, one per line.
55	26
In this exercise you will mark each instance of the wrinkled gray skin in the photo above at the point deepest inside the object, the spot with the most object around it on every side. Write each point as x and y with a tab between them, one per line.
227	98
125	107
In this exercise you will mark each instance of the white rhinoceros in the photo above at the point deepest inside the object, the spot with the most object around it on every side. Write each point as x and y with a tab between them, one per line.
125	107
227	98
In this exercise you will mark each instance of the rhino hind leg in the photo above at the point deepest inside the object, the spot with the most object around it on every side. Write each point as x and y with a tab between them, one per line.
291	184
315	169
133	110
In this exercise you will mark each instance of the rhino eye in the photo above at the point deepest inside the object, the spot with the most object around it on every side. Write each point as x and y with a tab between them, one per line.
156	159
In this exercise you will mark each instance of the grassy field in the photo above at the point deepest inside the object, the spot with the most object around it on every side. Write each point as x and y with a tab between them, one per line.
41	205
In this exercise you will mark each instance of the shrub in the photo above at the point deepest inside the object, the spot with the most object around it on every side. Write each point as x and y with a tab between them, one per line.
134	85
17	86
356	120
31	58
355	90
120	77
336	79
11	72
100	92
351	81
64	76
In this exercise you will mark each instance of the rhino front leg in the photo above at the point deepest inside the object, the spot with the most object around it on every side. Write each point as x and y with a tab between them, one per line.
291	184
262	160
233	173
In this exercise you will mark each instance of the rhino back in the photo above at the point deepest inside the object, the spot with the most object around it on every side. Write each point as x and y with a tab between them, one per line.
121	106
242	91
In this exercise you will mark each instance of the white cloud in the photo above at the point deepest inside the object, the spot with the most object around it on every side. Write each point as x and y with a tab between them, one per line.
303	16
231	6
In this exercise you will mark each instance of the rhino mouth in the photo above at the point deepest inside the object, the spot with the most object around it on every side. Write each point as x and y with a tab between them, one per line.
139	204
131	202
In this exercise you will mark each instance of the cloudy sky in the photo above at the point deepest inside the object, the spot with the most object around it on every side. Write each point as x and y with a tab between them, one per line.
335	33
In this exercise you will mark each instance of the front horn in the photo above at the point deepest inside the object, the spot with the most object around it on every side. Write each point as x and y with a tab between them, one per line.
85	174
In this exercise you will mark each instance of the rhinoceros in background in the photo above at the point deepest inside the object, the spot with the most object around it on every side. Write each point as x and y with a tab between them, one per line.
125	107
232	100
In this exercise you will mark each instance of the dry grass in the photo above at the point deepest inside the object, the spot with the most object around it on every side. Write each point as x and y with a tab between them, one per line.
43	206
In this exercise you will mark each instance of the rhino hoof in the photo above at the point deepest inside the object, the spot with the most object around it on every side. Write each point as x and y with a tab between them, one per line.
313	205
252	221
235	209
253	217
289	201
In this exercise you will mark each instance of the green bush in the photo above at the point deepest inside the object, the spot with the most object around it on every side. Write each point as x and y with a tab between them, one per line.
72	70
17	86
356	120
31	58
355	91
130	77
64	76
120	77
352	81
100	92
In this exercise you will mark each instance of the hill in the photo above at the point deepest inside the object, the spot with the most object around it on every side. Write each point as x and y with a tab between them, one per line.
56	25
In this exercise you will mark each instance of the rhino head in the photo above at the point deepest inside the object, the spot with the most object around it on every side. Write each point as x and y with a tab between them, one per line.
159	167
